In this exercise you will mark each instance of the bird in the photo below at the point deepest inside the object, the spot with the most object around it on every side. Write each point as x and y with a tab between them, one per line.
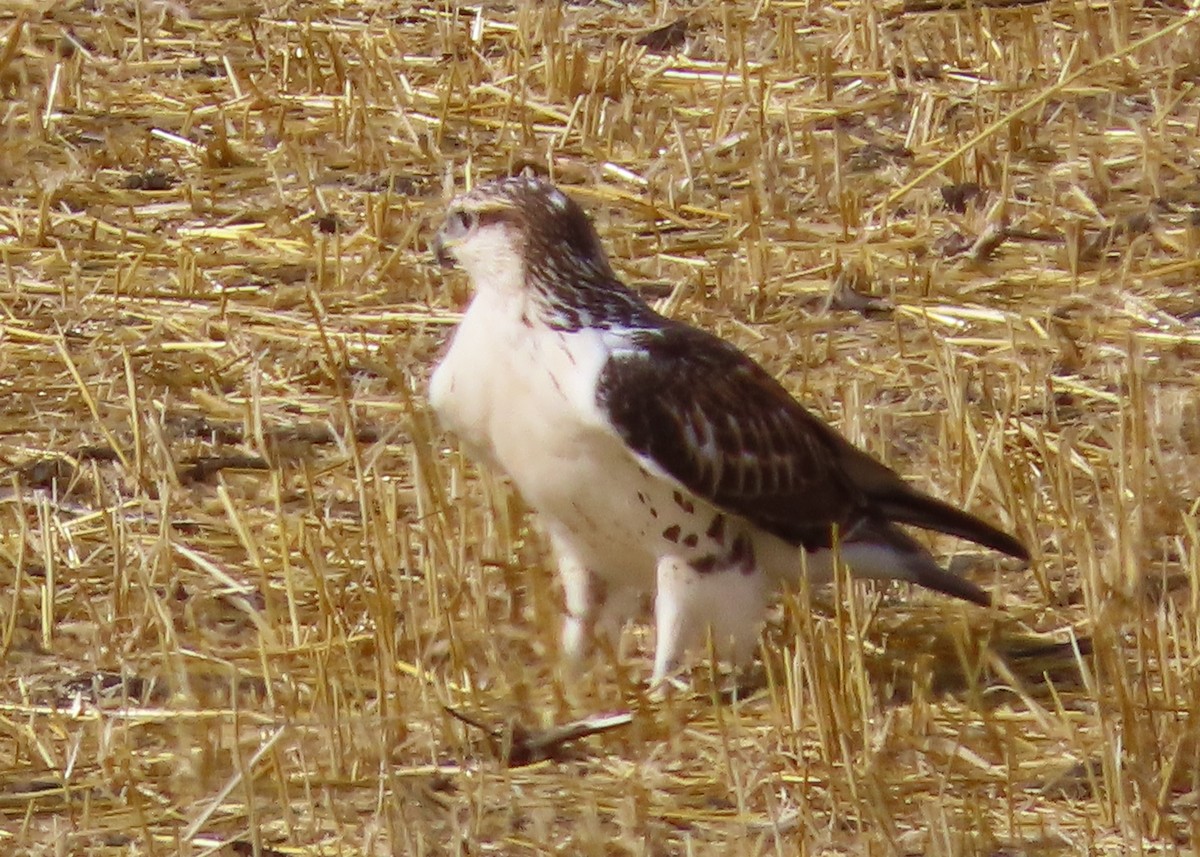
662	462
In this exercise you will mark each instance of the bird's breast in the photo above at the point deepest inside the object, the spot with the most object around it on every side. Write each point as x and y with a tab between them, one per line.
519	392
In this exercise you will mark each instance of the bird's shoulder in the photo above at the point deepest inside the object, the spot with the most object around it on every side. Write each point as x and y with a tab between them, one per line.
691	373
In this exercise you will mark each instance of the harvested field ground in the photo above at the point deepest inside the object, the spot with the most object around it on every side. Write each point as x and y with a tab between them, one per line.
244	579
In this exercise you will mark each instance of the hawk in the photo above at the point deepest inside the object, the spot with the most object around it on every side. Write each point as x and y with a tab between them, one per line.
660	459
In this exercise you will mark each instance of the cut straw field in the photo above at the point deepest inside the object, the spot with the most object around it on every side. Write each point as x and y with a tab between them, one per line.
253	600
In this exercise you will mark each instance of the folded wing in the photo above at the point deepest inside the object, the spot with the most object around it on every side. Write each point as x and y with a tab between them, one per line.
699	410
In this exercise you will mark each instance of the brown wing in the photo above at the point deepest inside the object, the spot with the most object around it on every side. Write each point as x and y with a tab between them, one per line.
714	420
710	417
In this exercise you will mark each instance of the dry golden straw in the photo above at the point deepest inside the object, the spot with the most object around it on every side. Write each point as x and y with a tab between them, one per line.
253	601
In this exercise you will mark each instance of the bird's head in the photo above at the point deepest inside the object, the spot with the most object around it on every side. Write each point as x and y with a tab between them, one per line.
521	230
524	237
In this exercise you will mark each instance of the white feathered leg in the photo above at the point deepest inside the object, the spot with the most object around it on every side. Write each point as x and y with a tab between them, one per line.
581	593
595	611
672	630
689	603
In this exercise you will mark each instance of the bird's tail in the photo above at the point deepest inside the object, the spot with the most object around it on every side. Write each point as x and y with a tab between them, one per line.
878	550
909	506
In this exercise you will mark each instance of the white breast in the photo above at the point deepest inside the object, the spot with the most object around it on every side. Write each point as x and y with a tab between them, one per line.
522	394
523	397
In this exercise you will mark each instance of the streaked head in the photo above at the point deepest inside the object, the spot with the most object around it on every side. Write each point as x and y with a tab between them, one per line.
521	227
524	237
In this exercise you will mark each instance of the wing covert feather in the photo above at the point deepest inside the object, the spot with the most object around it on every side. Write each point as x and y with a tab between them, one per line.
714	420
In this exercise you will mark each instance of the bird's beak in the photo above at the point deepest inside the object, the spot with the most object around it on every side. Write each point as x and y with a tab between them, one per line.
440	251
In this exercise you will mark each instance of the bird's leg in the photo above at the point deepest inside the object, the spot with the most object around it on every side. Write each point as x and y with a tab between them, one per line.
595	611
729	602
583	593
672	634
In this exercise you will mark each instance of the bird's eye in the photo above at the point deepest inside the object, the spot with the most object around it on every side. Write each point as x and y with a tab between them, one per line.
459	223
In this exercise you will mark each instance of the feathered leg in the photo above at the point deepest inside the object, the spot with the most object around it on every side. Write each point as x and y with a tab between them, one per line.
688	603
594	611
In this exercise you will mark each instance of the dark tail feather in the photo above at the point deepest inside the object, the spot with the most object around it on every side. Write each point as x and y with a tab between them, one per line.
920	510
879	550
932	576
